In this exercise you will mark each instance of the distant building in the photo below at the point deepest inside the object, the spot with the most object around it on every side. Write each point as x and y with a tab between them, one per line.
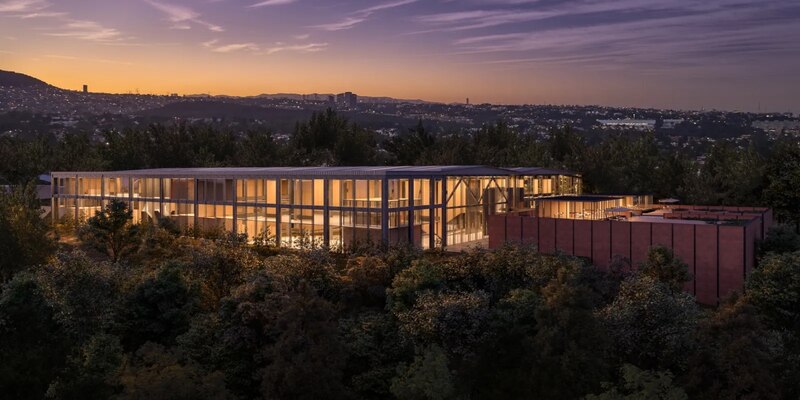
347	100
638	124
788	125
85	88
671	123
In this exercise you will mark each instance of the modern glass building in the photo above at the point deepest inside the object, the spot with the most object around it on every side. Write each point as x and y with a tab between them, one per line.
429	206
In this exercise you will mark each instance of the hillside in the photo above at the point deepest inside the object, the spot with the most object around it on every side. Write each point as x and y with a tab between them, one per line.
14	79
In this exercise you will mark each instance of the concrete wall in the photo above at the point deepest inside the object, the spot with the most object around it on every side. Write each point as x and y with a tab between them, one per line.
719	257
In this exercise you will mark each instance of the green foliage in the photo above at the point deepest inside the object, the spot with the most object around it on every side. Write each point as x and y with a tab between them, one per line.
374	347
651	325
92	373
85	293
159	309
24	234
736	357
33	347
782	192
112	230
306	345
426	378
642	385
780	239
158	373
663	266
775	289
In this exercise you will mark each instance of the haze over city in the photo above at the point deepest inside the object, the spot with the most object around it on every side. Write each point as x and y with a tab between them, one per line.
685	54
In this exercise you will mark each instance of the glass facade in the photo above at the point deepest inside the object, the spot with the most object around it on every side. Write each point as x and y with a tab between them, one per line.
339	207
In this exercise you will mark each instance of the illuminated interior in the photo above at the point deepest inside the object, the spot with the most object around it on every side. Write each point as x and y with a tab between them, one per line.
338	207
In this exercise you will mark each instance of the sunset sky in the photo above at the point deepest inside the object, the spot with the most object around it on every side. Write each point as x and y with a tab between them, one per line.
688	54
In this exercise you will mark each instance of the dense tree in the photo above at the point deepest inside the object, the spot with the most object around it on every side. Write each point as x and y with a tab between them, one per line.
306	345
783	182
662	265
85	293
112	230
24	234
158	373
33	346
159	309
652	326
737	357
92	373
428	377
780	239
642	385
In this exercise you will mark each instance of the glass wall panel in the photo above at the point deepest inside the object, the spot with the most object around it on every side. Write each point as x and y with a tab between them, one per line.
335	230
270	188
87	208
147	187
90	186
398	193
399	230
286	191
117	187
319	192
181	213
361	194
422	228
422	192
179	189
335	192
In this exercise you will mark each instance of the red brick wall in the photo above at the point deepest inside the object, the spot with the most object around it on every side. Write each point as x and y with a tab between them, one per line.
583	238
564	235
662	234
706	263
601	243
684	249
547	235
530	230
640	242
496	228
719	257
731	260
621	240
514	229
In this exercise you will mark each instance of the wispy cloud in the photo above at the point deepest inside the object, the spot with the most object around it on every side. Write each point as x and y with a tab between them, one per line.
69	27
300	48
181	15
88	30
361	15
22	6
96	60
229	48
346	23
682	34
271	3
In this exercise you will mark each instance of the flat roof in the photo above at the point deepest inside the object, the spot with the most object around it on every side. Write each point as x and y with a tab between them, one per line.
541	171
366	171
580	198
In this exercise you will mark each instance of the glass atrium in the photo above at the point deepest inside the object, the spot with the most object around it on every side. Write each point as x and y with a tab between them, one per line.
430	206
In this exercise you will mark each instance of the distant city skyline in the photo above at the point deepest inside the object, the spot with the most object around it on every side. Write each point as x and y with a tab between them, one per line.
682	54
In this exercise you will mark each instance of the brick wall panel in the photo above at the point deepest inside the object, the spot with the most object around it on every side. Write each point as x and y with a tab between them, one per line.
706	264
731	260
583	238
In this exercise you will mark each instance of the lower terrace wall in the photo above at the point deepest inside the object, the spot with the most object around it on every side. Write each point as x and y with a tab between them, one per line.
720	257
